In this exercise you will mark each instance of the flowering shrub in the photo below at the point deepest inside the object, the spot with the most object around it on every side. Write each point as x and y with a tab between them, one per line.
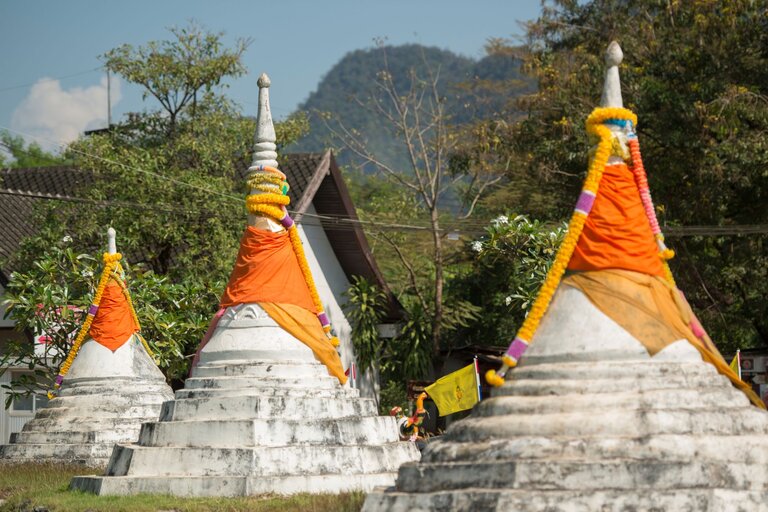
503	275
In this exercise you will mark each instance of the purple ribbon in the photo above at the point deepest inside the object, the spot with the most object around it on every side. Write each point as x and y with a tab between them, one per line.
286	221
59	380
323	319
585	202
516	349
93	310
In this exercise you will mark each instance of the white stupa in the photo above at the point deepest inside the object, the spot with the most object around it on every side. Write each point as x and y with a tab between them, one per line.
104	398
593	419
260	413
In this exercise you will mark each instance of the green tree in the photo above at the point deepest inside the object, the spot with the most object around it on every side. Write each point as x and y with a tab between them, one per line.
696	73
24	155
503	272
169	182
50	297
175	72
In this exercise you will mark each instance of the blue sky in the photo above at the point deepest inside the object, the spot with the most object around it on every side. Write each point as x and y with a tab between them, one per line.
295	41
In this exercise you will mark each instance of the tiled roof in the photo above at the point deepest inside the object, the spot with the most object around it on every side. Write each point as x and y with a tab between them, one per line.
314	179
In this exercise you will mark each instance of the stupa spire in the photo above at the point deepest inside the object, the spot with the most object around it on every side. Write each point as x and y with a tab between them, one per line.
111	243
264	149
617	404
612	85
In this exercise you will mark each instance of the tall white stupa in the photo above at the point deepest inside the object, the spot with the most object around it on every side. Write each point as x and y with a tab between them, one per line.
620	401
265	409
109	385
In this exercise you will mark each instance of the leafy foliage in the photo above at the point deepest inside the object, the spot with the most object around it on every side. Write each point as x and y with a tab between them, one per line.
696	73
365	309
51	297
24	155
503	274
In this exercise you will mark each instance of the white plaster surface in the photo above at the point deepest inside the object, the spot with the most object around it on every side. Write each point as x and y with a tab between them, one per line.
573	431
104	399
258	415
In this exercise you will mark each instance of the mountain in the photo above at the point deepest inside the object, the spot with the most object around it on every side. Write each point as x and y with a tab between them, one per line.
473	89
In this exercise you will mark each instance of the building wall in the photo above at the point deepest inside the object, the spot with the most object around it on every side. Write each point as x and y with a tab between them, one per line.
332	282
10	421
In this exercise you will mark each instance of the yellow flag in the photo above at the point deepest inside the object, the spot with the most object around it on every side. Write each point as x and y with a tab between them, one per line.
456	391
735	364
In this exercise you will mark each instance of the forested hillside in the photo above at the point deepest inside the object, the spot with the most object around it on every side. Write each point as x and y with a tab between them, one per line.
473	89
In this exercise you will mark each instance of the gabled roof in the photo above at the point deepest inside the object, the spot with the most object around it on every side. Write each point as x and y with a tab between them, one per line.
314	179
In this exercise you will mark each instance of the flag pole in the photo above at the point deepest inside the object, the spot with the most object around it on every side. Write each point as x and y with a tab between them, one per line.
477	379
738	361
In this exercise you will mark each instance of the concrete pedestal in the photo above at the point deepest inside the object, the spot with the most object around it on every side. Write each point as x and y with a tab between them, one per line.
105	398
588	422
259	415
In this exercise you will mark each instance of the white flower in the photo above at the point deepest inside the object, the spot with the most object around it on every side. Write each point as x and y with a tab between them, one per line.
501	219
477	246
508	300
87	273
66	239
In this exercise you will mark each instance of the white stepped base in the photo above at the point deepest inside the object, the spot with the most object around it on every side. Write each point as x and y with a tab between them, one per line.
230	486
479	500
573	434
275	424
104	400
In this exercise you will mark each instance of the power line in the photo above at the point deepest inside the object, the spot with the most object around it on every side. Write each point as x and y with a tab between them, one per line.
22	86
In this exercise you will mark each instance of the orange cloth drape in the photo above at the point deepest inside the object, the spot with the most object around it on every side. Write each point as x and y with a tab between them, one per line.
114	323
267	270
653	312
617	233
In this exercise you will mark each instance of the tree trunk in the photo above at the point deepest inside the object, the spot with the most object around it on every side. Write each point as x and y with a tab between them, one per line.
437	322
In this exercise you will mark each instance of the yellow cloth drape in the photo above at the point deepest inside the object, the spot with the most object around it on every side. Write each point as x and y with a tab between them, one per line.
303	325
456	391
653	312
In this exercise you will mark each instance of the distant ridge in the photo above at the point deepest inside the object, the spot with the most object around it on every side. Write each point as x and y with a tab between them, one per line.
463	82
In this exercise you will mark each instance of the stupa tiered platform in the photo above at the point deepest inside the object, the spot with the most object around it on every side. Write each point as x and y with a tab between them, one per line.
266	409
107	394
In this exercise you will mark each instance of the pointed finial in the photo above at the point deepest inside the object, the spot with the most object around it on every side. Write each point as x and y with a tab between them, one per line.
264	148
612	86
111	244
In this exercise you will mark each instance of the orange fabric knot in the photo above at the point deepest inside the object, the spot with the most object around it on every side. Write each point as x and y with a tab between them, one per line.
114	323
616	233
267	270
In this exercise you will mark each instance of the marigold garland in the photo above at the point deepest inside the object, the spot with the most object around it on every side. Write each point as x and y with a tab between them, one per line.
271	203
112	270
596	127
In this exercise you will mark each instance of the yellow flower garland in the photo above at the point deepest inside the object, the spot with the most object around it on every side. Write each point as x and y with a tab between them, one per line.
272	204
591	185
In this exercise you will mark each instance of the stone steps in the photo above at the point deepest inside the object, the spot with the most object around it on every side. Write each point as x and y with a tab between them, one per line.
134	460
228	486
262	370
751	449
257	407
555	474
270	432
92	454
634	423
482	500
109	436
105	411
650	369
542	387
339	393
307	383
721	397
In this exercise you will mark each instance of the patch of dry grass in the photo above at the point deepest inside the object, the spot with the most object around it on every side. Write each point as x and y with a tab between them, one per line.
41	487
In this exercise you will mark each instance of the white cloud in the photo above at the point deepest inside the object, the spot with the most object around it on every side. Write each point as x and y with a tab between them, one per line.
56	115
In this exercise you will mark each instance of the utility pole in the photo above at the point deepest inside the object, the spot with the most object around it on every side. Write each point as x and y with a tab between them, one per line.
109	100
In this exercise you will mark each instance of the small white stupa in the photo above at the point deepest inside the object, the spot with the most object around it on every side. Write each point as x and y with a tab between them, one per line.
265	409
109	385
621	402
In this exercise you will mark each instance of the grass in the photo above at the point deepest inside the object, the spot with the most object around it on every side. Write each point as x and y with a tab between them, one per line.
45	487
